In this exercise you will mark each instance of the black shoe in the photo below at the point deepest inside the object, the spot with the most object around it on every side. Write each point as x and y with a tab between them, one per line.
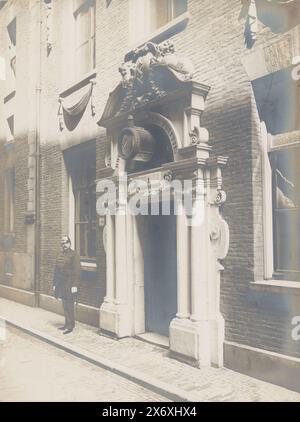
62	328
68	331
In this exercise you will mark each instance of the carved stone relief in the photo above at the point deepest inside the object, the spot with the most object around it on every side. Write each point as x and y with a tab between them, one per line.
199	135
138	73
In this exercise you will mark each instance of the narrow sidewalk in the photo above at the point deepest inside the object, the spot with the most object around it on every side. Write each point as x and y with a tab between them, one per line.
143	363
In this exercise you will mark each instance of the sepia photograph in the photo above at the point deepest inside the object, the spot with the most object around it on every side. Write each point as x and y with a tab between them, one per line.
149	204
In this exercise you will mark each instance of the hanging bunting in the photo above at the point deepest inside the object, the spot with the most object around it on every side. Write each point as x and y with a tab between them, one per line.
72	107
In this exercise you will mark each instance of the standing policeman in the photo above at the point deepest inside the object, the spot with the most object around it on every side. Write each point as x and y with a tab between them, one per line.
66	281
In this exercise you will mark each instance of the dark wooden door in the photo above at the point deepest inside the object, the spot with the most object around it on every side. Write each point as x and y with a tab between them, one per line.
160	273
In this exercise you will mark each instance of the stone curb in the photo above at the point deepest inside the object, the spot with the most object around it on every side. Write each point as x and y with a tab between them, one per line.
153	384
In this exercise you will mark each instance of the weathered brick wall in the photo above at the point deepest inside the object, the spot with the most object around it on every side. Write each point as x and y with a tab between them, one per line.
51	156
16	153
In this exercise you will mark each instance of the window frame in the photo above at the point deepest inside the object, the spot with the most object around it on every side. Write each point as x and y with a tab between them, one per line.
281	274
78	223
140	30
76	184
170	13
270	147
80	7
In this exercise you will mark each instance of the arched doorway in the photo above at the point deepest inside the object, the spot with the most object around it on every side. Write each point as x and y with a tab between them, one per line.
163	272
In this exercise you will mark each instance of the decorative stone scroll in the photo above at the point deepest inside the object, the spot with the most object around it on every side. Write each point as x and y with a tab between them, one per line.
199	135
220	198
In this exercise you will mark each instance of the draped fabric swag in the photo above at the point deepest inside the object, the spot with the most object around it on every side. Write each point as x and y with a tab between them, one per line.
72	107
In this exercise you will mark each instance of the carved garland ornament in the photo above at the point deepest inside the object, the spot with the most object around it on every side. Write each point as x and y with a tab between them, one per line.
137	72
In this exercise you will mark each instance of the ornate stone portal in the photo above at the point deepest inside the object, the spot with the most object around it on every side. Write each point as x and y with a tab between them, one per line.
153	124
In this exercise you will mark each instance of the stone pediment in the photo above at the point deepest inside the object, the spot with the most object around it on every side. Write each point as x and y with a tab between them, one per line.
149	74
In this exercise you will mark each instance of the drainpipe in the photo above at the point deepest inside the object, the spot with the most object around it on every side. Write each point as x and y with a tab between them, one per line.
37	165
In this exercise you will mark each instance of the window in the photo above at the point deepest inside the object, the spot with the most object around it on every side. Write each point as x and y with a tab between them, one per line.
277	99
163	11
286	211
9	200
85	47
81	164
146	17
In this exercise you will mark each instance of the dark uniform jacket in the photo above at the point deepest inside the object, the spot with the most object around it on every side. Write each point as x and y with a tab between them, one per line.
66	274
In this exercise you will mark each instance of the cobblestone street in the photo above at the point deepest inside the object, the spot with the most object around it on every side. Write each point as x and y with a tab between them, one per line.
31	370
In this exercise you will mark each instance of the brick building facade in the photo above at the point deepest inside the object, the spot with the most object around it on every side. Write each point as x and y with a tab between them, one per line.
65	53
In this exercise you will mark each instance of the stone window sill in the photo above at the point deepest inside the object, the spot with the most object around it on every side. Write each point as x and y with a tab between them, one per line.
276	286
166	31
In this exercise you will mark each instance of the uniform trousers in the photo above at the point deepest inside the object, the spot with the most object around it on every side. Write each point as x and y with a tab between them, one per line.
69	311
